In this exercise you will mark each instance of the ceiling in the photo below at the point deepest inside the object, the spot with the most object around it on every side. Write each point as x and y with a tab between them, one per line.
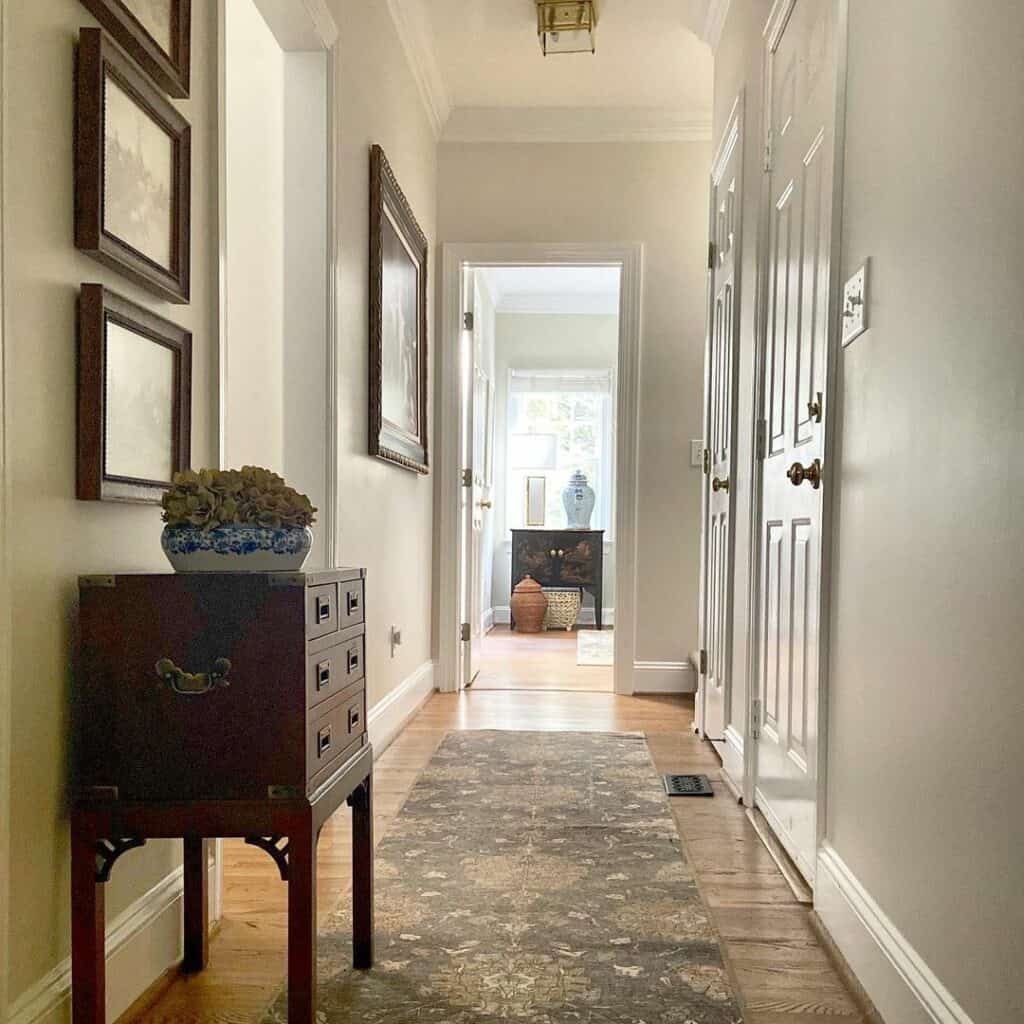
593	290
482	74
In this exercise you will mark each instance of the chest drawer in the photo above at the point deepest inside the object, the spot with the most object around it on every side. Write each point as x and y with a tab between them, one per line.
335	669
321	610
351	611
334	729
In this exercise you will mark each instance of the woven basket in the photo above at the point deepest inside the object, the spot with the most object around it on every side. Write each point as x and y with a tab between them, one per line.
563	608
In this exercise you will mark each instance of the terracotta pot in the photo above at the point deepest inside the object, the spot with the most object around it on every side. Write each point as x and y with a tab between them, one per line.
528	606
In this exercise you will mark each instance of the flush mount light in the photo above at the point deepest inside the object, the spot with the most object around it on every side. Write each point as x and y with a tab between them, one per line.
566	26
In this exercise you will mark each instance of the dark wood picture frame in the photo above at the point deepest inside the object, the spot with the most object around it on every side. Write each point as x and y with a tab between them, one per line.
387	201
98	59
170	70
96	308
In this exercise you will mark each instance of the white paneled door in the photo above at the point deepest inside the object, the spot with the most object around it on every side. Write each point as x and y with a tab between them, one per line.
800	124
720	380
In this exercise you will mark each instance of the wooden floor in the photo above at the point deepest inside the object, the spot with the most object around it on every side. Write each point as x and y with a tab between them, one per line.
780	968
538	661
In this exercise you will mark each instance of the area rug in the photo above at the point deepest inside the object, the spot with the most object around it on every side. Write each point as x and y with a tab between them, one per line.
595	647
532	877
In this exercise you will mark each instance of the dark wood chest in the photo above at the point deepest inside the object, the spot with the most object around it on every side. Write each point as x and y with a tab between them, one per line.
218	685
561	558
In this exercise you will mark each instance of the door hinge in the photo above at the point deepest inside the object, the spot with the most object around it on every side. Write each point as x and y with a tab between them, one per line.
711	255
768	152
468	320
707	461
467	477
755	718
464	632
762	438
703	663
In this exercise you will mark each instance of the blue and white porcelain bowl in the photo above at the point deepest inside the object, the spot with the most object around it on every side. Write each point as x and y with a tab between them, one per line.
236	547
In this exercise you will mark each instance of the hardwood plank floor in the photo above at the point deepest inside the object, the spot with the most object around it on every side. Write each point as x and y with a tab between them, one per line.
780	968
538	661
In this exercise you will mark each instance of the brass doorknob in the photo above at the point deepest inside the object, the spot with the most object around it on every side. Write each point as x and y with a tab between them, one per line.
798	473
720	485
486	504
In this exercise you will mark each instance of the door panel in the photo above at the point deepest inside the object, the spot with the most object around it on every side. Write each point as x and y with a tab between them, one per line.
801	113
719	430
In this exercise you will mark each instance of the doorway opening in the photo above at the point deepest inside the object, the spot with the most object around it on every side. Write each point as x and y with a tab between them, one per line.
539	445
540	359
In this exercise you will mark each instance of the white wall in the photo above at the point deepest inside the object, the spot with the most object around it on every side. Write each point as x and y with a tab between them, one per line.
385	512
542	341
52	537
926	760
653	193
255	90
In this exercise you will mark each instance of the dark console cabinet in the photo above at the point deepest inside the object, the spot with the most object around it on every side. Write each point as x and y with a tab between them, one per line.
561	558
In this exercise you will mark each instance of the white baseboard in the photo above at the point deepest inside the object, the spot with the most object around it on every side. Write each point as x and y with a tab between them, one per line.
902	987
388	717
664	677
503	616
143	942
731	753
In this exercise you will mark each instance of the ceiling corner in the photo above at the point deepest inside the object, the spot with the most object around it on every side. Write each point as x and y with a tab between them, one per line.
416	36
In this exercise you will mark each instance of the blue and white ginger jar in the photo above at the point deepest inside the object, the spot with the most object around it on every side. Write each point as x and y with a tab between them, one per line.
578	499
237	547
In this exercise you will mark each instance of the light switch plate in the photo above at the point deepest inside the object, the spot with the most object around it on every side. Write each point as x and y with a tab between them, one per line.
855	304
696	454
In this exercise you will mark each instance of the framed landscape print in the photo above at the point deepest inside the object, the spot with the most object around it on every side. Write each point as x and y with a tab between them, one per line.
133	171
156	34
398	324
134	399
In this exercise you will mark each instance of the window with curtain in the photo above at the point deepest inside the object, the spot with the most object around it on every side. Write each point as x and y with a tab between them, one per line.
558	422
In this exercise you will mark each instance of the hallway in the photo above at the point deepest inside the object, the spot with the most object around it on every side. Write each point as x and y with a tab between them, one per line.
779	967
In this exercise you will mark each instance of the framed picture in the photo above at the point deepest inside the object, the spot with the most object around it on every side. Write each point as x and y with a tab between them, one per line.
398	324
157	34
536	500
134	399
133	171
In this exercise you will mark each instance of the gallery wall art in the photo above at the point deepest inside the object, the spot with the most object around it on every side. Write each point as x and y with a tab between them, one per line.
398	425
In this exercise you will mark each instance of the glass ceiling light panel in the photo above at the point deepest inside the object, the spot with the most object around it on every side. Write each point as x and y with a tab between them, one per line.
566	26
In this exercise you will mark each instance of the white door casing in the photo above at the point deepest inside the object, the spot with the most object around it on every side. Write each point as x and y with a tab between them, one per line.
720	404
800	63
469	486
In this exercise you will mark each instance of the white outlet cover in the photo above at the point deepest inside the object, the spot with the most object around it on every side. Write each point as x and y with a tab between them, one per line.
855	304
696	454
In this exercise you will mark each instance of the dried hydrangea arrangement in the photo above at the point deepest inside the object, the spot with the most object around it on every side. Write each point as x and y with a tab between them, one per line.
254	496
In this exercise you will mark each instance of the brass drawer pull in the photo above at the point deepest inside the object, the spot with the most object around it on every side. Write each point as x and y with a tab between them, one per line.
353	661
323	675
352	600
353	719
190	684
323	609
323	741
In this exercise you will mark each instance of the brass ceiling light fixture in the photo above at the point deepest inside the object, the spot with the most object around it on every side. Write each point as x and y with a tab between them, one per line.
566	26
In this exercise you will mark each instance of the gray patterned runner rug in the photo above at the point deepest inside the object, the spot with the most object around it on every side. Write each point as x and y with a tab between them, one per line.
534	877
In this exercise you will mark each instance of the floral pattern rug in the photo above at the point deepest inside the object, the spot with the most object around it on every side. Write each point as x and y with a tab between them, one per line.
532	877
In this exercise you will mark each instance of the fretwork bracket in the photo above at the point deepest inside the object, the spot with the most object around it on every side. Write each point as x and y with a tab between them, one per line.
109	851
276	847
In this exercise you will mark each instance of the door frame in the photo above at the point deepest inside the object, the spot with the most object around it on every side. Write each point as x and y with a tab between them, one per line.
777	20
457	255
732	141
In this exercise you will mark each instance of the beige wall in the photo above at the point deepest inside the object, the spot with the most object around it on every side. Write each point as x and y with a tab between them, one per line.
652	193
926	759
52	536
534	341
386	513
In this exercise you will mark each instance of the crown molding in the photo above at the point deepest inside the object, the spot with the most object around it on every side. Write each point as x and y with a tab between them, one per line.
414	32
714	22
576	124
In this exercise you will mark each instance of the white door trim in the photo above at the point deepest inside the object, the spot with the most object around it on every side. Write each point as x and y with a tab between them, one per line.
776	22
311	25
5	577
630	257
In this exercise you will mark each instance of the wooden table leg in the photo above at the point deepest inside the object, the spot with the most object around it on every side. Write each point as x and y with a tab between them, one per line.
302	921
197	905
88	927
362	874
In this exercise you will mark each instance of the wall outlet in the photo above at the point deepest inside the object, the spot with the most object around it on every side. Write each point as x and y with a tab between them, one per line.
395	638
696	454
855	304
